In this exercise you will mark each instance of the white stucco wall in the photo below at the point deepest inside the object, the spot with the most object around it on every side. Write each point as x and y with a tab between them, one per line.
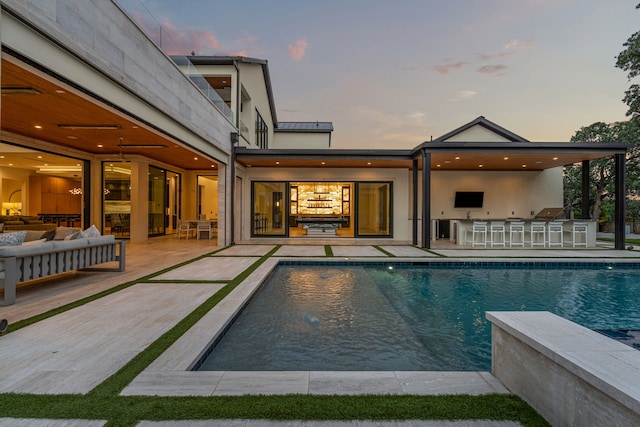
297	140
477	134
398	177
506	194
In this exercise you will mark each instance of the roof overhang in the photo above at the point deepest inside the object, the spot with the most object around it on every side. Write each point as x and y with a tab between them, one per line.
467	156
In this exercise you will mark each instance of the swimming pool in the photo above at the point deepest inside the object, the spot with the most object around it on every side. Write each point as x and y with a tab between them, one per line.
404	317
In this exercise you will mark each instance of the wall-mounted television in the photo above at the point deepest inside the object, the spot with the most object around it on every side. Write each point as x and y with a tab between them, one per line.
468	199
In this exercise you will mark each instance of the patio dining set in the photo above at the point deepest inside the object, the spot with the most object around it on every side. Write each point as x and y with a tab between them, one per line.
200	228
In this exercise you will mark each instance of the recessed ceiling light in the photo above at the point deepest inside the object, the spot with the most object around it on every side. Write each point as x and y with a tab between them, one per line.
195	158
100	145
10	164
457	158
1	157
480	166
38	127
60	91
447	161
368	163
524	166
506	158
437	166
555	158
538	162
213	166
323	163
39	157
277	163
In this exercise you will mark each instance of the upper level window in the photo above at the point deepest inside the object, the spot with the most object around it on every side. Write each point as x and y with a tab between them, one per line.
262	132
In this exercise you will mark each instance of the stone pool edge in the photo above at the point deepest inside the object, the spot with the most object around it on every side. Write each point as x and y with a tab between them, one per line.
170	374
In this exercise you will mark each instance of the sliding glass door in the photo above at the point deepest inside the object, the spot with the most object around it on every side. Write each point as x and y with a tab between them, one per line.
373	207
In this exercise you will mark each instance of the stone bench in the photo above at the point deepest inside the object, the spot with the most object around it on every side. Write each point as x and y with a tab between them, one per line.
23	263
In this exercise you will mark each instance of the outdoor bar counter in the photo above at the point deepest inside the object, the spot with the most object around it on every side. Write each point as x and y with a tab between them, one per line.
460	231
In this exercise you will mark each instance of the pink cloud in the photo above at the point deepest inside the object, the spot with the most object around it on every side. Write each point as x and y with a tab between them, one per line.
298	49
174	41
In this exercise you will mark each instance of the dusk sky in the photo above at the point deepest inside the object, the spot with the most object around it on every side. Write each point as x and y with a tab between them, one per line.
392	74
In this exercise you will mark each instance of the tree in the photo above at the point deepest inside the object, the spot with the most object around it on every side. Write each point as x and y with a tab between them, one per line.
629	61
602	171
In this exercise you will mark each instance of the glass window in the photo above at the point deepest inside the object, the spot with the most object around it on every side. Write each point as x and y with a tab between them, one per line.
268	209
373	208
262	132
156	201
117	198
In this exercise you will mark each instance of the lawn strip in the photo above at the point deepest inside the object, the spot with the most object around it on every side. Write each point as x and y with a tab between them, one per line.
328	251
121	410
387	253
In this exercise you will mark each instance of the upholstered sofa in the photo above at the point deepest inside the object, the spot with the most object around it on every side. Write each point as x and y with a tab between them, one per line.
46	258
23	222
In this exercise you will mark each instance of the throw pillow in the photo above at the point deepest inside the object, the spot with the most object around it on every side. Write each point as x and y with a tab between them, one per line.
34	242
74	236
49	235
12	239
91	231
63	232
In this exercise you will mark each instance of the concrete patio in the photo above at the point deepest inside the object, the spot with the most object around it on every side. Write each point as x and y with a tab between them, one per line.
76	350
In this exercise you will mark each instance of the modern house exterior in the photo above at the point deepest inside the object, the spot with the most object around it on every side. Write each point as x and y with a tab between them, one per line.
122	136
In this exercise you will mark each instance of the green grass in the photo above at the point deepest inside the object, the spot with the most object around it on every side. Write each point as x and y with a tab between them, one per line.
105	403
626	241
127	410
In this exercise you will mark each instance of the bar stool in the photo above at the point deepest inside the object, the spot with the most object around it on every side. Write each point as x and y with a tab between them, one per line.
479	229
555	229
498	233
579	228
516	228
538	233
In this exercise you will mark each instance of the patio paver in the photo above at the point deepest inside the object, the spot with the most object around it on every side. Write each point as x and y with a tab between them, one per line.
407	251
357	251
246	250
210	268
301	250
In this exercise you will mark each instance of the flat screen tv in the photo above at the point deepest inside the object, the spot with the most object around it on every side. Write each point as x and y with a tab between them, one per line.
468	199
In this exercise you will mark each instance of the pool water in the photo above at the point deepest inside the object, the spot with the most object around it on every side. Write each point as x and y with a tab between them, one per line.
404	318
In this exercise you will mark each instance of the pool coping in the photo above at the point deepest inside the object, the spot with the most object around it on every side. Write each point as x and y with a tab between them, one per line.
170	374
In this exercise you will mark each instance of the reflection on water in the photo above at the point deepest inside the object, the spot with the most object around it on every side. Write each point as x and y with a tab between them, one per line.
418	318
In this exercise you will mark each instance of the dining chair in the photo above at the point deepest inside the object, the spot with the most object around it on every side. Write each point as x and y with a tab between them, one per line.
184	226
203	227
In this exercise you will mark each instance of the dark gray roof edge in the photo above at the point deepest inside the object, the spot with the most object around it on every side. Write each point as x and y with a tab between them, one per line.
305	127
328	152
620	147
